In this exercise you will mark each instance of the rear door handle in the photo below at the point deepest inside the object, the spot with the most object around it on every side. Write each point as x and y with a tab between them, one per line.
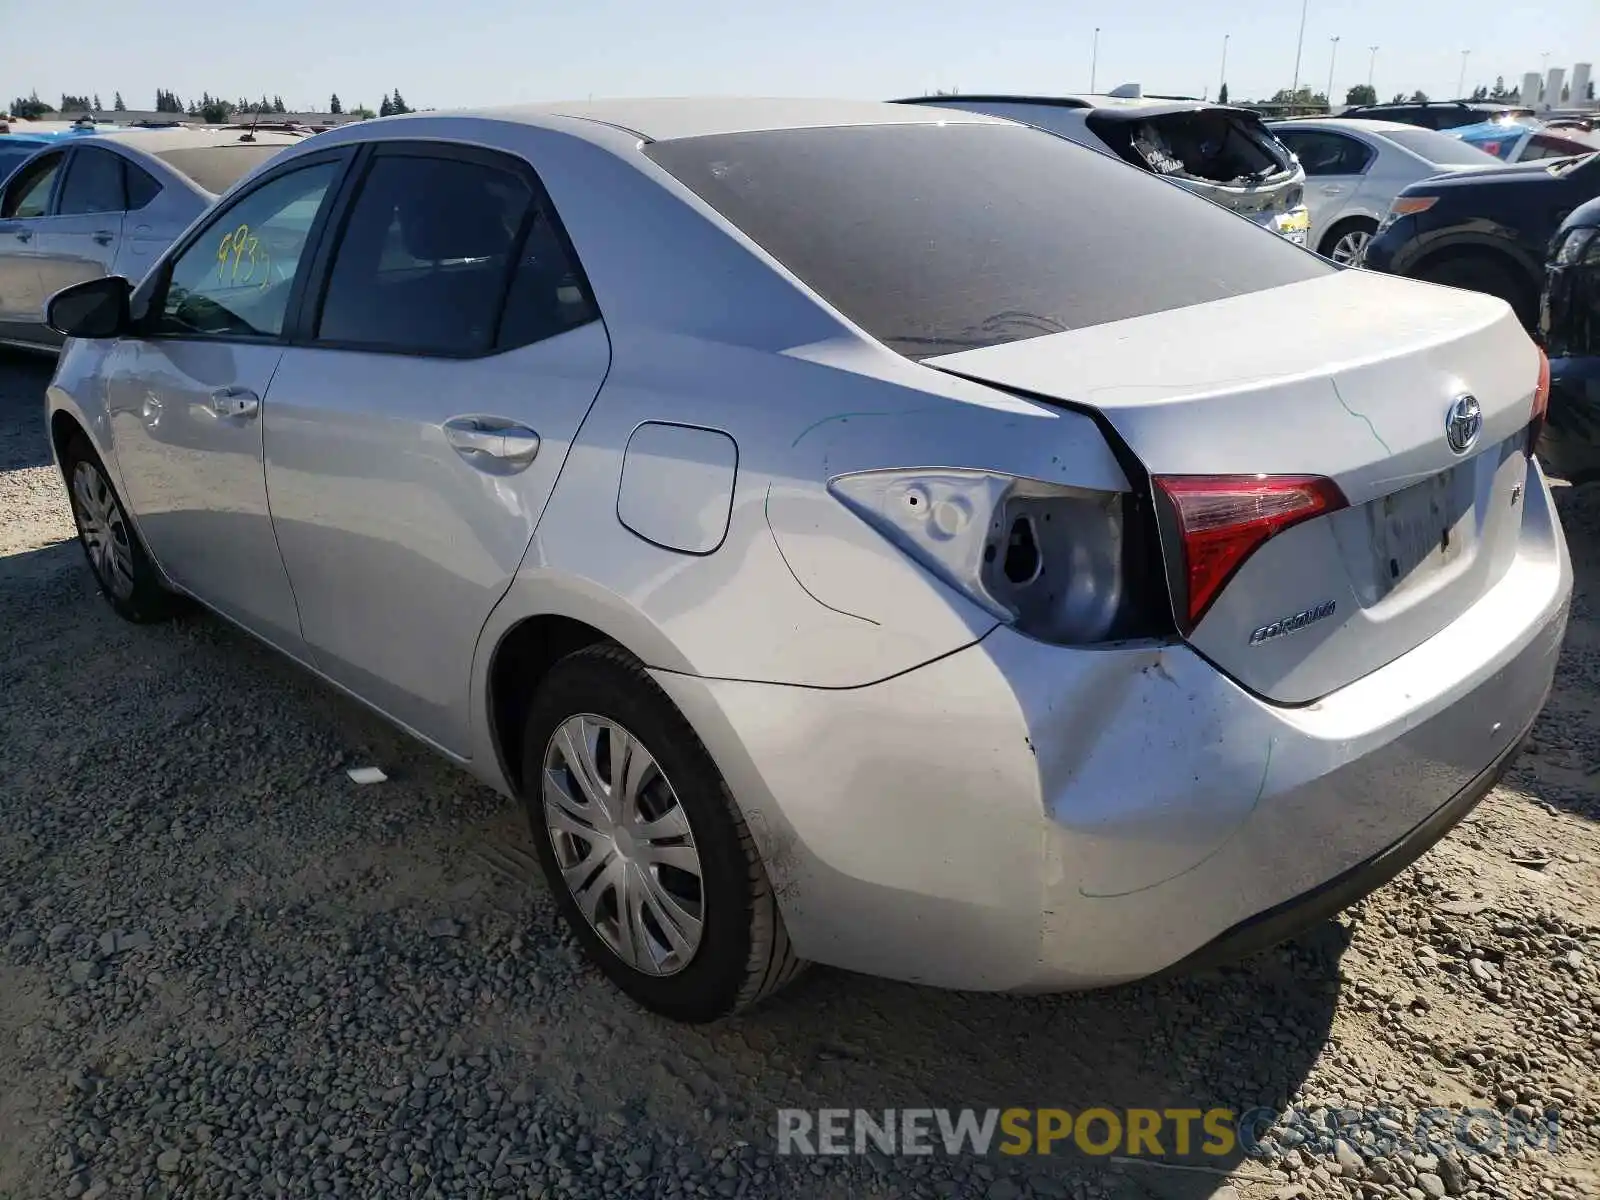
482	440
235	402
24	235
1332	189
104	237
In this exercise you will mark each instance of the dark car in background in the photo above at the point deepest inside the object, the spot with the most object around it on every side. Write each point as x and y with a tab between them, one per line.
1486	231
1569	325
1436	114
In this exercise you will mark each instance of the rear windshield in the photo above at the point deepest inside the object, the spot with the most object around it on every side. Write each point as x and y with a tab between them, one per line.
1440	147
935	239
217	168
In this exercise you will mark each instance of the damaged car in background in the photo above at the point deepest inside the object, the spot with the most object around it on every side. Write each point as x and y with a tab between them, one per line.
1228	155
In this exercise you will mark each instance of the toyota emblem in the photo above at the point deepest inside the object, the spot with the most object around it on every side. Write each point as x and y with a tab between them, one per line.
1463	423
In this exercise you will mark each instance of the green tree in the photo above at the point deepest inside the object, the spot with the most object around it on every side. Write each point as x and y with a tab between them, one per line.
116	103
1566	93
398	105
215	112
277	105
1361	93
30	107
1590	91
1480	93
334	106
1419	97
1498	91
97	105
362	113
385	108
77	104
168	102
1222	94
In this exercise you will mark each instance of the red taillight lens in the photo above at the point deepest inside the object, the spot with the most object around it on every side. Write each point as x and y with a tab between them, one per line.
1541	403
1224	519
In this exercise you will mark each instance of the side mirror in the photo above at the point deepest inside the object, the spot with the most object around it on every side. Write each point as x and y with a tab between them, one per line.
96	308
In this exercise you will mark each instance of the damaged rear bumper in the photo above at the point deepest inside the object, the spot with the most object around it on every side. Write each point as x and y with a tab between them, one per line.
1021	817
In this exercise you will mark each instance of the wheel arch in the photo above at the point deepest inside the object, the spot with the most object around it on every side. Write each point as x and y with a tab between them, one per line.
1339	227
541	620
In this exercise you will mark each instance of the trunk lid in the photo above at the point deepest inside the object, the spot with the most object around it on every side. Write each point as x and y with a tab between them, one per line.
1348	376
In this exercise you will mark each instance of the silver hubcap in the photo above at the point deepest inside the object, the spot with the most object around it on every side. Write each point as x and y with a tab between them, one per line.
623	843
1348	248
103	529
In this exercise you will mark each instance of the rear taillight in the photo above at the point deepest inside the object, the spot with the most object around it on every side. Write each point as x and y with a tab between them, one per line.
1541	403
1066	565
1223	519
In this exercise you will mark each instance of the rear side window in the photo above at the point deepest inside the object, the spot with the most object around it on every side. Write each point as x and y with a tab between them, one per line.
28	193
142	187
93	184
435	249
936	239
1441	148
1326	153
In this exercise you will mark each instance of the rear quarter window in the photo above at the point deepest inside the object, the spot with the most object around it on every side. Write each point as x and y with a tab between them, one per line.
935	239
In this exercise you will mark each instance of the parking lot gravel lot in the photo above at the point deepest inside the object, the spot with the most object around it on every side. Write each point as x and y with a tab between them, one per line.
226	970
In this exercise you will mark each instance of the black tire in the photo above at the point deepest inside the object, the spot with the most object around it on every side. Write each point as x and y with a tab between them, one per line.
1341	230
1488	274
744	954
137	595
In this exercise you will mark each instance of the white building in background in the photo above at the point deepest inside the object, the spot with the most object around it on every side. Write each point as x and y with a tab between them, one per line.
1532	83
1580	83
1552	87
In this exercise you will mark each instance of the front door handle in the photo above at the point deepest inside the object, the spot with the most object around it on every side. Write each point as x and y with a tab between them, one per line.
235	402
492	439
1332	189
24	235
104	236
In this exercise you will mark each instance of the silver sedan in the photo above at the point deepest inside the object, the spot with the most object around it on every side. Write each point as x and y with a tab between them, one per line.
1354	169
108	204
842	556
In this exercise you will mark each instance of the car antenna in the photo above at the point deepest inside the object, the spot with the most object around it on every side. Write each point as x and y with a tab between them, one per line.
250	134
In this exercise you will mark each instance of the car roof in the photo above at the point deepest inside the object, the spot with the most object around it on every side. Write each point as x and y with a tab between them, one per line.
1151	105
1351	126
155	141
667	118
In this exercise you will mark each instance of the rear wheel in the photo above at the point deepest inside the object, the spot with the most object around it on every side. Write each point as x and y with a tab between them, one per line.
1347	241
127	577
650	861
1484	273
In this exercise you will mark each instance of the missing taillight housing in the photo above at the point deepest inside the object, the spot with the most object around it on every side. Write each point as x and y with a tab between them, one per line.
1541	403
1221	520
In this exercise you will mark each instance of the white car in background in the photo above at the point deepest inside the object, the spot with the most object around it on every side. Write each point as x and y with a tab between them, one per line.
108	204
1225	154
1354	169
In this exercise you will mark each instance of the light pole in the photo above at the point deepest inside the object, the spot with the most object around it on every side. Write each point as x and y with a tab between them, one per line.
1461	81
1223	81
1332	56
1094	59
1372	65
1299	45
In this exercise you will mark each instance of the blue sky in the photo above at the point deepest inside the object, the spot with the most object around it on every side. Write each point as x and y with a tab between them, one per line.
471	52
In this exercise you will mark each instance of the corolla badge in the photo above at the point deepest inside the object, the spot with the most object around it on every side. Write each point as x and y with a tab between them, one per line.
1463	422
1309	616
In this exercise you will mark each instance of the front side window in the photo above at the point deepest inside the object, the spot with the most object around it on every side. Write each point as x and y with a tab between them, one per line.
423	263
93	184
236	277
28	194
941	238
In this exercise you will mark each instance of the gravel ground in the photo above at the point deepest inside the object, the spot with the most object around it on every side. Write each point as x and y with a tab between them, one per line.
227	970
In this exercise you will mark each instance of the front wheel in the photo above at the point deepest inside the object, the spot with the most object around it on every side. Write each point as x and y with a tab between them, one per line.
650	861
127	577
